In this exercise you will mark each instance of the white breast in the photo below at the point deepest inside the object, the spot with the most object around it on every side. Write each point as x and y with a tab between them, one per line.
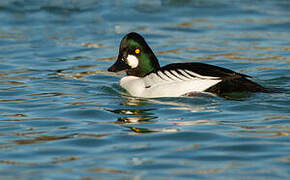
169	83
134	85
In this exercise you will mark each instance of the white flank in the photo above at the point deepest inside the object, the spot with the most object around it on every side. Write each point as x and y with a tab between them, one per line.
132	61
167	84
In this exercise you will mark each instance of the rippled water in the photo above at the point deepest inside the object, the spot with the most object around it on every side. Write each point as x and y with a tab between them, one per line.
63	116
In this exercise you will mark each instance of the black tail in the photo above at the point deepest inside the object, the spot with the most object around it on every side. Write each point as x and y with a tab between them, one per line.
238	84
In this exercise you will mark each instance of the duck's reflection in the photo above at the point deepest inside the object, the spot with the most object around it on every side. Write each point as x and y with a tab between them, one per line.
140	111
134	116
135	120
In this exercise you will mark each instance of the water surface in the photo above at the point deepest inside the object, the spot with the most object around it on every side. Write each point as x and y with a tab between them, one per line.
63	116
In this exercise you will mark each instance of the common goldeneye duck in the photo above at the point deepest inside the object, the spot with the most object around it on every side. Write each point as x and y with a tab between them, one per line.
145	77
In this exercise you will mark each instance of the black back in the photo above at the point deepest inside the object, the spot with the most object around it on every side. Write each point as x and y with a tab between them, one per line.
203	70
231	80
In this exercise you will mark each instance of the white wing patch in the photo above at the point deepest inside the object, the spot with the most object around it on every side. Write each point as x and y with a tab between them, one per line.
168	83
172	83
163	76
185	74
180	76
200	76
171	76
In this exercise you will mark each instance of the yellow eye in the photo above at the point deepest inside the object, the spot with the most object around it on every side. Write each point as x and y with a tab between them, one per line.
137	51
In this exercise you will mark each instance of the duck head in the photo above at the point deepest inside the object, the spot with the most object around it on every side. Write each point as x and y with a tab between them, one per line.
135	56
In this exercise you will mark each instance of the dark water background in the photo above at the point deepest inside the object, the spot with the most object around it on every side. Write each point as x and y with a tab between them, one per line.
62	116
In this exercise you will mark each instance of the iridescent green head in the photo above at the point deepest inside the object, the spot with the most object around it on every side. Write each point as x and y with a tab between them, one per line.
135	56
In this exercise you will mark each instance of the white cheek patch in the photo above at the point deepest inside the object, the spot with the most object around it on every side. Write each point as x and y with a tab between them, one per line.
132	61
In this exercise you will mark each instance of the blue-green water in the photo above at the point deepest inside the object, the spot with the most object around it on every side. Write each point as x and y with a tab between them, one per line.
63	116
